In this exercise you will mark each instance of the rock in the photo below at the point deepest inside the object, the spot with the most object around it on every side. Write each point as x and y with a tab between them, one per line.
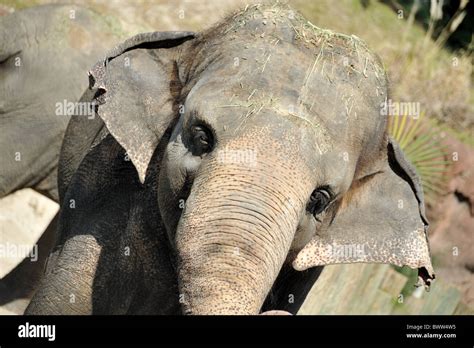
452	223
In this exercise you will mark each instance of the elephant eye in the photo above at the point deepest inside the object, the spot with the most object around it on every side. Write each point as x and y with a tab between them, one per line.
202	139
319	200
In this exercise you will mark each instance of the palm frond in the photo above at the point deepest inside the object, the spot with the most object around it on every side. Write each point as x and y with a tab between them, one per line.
421	143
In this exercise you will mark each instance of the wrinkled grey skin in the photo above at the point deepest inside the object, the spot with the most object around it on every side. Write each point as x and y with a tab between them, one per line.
288	115
45	52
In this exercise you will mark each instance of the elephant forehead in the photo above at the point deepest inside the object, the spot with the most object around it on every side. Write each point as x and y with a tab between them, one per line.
263	127
230	116
271	57
304	98
227	108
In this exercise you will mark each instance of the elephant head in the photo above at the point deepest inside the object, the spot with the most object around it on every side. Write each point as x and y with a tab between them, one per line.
265	144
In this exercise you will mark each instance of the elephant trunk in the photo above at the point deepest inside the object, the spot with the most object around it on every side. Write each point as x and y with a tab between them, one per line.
68	284
234	236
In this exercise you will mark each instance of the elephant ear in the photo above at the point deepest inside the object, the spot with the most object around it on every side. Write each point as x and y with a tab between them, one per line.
136	86
381	219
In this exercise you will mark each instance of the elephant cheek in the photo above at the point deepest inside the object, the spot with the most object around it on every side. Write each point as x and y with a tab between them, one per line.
232	240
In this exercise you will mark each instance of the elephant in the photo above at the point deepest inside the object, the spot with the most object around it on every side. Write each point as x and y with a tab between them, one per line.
224	168
44	54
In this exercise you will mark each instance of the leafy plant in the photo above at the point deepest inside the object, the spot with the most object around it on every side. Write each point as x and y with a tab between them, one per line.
420	139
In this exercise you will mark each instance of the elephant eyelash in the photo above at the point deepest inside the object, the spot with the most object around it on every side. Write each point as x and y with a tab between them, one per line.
191	129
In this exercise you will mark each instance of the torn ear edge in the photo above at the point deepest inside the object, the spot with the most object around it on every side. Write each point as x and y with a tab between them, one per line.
151	40
406	170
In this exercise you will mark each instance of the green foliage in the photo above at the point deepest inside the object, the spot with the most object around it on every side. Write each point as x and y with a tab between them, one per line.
421	143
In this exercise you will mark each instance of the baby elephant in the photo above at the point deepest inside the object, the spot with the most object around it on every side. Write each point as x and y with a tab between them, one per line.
225	164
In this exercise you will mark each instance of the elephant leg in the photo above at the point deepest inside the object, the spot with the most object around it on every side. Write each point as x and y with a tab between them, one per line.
113	262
